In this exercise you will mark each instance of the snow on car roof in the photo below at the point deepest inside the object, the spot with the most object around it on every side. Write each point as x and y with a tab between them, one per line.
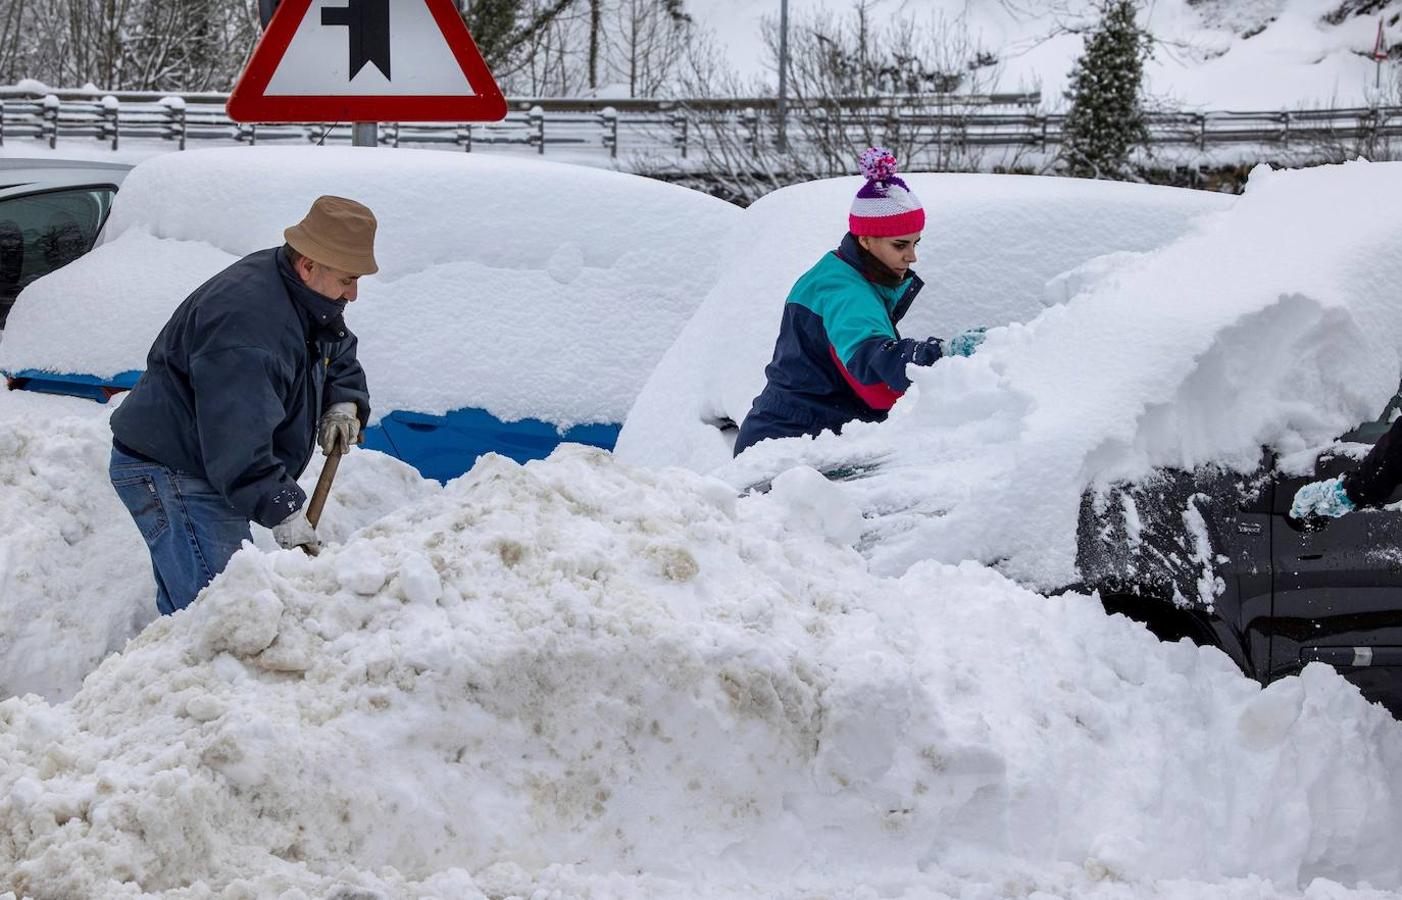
526	288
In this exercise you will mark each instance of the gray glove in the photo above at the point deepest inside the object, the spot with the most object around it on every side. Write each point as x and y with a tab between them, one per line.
966	342
296	531
340	424
1321	498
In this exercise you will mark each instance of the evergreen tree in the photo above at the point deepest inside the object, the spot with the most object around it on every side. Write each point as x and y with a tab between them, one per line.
1106	121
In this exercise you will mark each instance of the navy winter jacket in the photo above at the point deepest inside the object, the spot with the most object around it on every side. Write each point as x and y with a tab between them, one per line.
1375	479
236	382
838	357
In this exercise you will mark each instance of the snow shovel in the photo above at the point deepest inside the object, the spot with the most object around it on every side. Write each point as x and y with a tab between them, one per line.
323	489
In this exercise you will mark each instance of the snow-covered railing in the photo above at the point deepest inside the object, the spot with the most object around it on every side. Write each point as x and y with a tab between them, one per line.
665	130
607	125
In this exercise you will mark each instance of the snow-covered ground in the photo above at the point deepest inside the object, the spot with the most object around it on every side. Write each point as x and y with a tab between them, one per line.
1210	54
577	679
583	678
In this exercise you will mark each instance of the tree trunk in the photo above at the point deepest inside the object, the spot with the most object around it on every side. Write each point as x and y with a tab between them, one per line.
596	24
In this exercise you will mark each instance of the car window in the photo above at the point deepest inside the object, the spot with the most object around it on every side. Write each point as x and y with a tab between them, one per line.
1370	432
41	232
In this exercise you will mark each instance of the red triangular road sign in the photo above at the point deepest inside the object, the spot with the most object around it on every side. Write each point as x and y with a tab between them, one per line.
366	61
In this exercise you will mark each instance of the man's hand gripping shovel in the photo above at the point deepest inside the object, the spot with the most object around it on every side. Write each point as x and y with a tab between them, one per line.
323	490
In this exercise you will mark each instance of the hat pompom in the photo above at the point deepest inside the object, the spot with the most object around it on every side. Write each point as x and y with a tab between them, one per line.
878	164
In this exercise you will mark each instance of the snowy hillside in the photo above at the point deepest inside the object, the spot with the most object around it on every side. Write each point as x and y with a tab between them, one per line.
1220	54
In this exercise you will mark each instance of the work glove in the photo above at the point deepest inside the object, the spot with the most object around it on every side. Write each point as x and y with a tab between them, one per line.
966	342
1321	498
296	531
340	425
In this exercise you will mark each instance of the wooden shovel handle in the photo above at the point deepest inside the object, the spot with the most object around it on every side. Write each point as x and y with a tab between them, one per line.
323	486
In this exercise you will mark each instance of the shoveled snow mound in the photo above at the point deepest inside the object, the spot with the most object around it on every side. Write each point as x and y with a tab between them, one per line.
75	580
991	245
522	287
587	680
1274	323
75	577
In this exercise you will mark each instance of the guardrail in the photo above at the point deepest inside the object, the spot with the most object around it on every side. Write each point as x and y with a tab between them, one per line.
668	128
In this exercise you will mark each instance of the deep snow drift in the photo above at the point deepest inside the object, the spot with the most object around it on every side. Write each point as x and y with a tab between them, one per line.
503	282
587	680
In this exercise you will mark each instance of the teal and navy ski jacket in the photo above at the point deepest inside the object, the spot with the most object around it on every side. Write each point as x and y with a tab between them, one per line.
838	356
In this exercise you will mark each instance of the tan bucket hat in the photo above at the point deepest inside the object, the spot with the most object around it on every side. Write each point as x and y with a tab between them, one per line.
339	233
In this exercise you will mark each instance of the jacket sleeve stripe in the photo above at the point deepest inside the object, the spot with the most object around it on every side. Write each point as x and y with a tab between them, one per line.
877	396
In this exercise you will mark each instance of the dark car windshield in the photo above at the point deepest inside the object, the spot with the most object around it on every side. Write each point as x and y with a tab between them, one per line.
44	231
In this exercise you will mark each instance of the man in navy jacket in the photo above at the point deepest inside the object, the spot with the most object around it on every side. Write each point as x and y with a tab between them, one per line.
251	371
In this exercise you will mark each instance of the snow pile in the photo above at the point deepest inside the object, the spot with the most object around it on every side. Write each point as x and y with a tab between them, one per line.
677	693
1217	54
1275	323
526	288
991	245
75	577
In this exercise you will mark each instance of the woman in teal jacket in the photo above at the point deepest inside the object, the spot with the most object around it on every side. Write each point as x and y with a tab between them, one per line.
839	356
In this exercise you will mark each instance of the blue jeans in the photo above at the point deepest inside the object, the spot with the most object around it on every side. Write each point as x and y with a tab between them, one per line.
188	526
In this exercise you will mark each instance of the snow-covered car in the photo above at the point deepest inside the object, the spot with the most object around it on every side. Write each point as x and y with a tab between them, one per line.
51	212
519	303
997	249
1113	438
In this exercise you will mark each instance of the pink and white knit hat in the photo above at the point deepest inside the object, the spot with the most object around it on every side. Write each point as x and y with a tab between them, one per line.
885	206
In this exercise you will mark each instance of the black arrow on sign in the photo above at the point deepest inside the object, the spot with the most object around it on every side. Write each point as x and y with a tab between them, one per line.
368	21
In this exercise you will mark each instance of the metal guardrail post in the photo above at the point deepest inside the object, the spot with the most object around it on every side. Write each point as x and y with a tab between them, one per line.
175	124
111	122
1285	130
537	126
50	119
1202	130
608	118
464	136
2	123
679	127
